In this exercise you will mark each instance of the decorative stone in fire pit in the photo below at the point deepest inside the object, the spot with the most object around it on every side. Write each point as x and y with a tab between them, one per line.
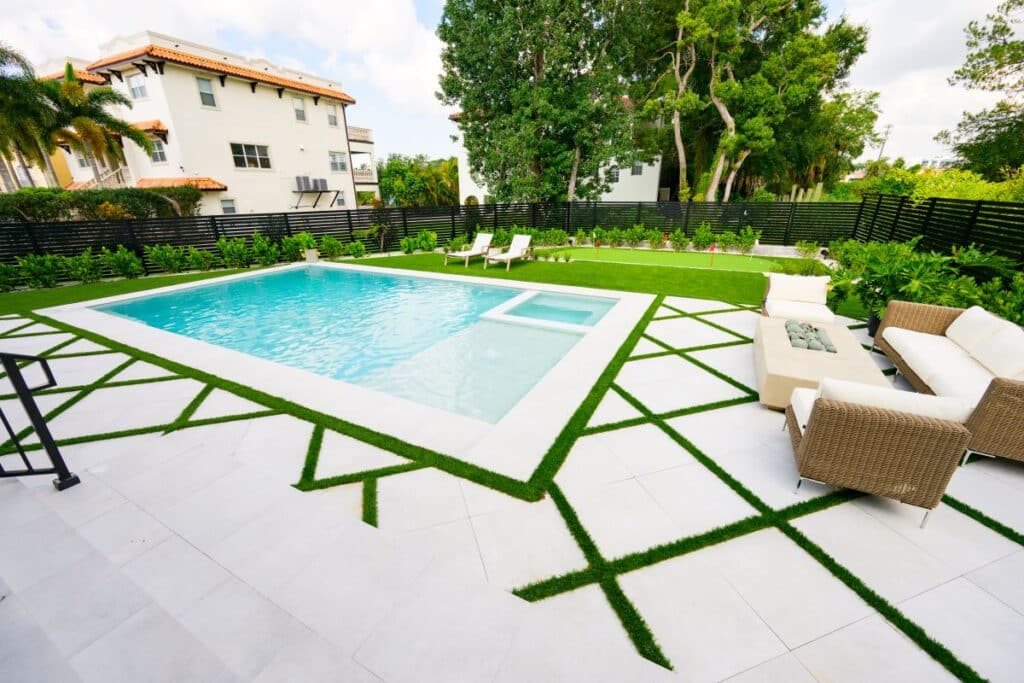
806	336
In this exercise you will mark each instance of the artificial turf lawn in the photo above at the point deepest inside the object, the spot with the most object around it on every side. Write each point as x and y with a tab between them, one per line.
675	259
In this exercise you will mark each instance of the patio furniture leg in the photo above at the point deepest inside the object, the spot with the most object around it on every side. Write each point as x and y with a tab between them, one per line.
798	482
924	522
508	265
964	460
467	262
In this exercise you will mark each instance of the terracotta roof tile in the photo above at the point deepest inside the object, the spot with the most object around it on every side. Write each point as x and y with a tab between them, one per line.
178	57
83	76
202	183
151	126
79	184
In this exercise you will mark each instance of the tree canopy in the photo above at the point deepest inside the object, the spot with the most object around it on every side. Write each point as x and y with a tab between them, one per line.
418	181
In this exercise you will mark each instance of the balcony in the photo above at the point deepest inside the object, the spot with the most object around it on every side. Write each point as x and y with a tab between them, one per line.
357	134
364	175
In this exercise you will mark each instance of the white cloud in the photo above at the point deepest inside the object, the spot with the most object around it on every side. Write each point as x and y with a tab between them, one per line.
913	48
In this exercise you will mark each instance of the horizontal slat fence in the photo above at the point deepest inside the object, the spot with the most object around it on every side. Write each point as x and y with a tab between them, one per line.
943	222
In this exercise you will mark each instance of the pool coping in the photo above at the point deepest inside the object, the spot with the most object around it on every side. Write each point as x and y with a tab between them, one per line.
513	447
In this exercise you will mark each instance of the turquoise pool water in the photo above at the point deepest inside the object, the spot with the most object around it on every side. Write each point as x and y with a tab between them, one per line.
418	338
564	308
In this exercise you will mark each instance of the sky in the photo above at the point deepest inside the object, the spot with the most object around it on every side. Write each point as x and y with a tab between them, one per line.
386	54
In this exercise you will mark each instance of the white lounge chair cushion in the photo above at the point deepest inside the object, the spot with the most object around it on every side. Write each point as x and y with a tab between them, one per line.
810	289
1002	352
939	407
799	310
945	367
480	246
972	327
802	400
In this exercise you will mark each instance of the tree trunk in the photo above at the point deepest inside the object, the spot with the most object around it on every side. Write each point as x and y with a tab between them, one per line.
24	167
97	176
572	175
51	172
10	184
682	85
732	174
730	130
716	179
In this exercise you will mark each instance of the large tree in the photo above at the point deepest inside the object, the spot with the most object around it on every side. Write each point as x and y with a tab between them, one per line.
990	142
418	181
540	87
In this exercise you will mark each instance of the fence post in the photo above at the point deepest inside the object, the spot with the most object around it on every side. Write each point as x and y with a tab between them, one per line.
593	217
405	223
287	225
874	218
348	214
137	248
214	229
31	229
494	215
896	218
639	212
453	223
568	217
856	221
789	223
926	225
966	237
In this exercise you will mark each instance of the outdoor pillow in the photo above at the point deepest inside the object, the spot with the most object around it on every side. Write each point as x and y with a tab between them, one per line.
972	327
813	290
802	402
927	354
963	378
939	407
1003	352
799	310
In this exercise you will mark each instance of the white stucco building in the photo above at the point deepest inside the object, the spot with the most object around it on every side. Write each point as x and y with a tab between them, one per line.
253	136
635	183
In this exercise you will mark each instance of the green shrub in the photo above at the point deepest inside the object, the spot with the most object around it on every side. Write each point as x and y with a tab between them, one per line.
554	238
234	252
599	234
807	248
762	195
634	236
982	265
201	259
655	239
801	266
167	258
457	243
331	247
580	238
426	240
727	240
356	249
305	239
679	240
408	244
703	237
616	237
122	262
502	238
748	239
40	270
84	267
10	276
291	248
265	252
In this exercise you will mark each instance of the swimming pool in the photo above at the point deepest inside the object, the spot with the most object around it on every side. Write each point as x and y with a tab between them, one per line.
425	340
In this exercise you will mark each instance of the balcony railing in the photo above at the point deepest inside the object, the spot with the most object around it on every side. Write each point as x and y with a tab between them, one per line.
357	134
364	175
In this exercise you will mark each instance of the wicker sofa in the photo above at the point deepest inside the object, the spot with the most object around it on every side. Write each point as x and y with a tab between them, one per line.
956	352
878	440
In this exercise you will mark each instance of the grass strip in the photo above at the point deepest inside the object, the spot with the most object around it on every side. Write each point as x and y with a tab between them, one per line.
191	408
576	530
983	519
426	457
556	585
636	628
370	501
108	385
705	407
720	328
936	650
31	334
80	354
545	472
353	477
57	347
11	332
692	349
720	375
316	440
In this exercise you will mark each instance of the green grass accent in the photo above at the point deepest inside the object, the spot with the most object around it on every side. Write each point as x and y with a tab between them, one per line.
370	501
312	455
13	332
354	477
25	301
79	354
980	517
673	259
559	450
192	407
109	385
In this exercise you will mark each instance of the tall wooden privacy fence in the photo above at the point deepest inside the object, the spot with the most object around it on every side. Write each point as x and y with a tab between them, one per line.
943	222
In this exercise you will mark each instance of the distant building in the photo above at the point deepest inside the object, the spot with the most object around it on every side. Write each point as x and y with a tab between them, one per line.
254	137
635	183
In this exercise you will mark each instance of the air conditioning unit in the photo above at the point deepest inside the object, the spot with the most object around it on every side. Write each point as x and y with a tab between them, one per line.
320	184
303	184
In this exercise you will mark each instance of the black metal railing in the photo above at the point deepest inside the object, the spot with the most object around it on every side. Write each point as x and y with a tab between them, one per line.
12	365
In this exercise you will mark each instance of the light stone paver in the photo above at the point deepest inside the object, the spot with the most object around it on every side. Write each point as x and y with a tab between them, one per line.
80	346
740	322
403	507
695	499
733	361
1002	579
784	669
645	346
681	333
220	403
139	370
612	408
689	305
340	454
34	346
672	383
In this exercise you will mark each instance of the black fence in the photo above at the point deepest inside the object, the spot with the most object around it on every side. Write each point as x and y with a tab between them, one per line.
943	222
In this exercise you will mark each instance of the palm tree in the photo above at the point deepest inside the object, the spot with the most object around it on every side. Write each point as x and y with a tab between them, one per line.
21	111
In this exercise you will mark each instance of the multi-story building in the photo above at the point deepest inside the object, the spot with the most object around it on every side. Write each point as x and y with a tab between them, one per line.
638	182
253	136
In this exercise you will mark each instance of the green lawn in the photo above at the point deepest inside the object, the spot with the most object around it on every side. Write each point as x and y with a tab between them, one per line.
31	300
675	259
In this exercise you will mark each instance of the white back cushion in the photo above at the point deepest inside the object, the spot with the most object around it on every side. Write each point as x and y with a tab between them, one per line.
972	327
1002	352
940	407
812	289
799	310
482	241
520	243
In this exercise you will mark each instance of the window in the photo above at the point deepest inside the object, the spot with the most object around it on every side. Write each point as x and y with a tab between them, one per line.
340	199
206	97
250	156
300	108
638	169
227	206
159	153
137	86
613	174
338	162
82	161
332	115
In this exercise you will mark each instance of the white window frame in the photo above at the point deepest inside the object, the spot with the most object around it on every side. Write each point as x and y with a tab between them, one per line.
83	161
159	149
340	199
638	168
224	206
613	174
246	155
299	107
332	113
213	96
339	163
137	82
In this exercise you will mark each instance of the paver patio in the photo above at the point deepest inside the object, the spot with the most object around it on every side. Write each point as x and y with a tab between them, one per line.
669	531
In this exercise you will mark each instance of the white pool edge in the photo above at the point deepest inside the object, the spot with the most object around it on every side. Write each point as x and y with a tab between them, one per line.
513	447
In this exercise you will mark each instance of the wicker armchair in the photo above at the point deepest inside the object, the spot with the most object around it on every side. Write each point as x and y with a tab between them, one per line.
883	452
997	424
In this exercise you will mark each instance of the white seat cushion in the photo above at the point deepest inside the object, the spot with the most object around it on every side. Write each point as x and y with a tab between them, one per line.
802	400
947	369
972	327
810	289
940	407
1002	352
799	310
966	379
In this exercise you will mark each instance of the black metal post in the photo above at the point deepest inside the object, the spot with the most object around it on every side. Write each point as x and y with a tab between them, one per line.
214	228
686	218
789	222
896	218
856	221
969	229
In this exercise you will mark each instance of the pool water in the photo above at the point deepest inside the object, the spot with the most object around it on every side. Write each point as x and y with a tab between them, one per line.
418	338
564	308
